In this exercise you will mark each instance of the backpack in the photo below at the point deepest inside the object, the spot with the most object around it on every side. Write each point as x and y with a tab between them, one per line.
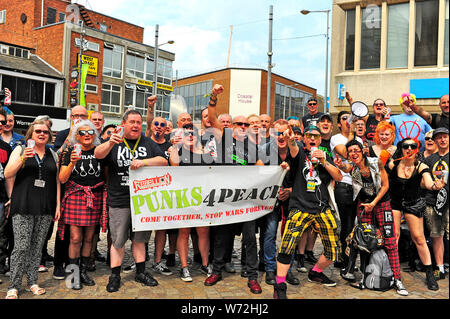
378	274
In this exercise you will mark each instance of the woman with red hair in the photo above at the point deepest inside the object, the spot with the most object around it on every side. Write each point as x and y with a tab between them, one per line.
384	139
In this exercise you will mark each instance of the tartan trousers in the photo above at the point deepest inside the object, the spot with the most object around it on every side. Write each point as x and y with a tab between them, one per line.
384	220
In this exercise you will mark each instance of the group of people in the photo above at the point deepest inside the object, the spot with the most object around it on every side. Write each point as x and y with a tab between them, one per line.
377	169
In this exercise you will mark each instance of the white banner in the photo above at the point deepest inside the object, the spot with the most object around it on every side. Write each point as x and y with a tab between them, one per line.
178	197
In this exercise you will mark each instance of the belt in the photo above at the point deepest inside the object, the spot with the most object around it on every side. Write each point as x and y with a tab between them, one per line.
344	184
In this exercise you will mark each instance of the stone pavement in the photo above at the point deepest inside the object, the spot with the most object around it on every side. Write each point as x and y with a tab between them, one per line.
233	286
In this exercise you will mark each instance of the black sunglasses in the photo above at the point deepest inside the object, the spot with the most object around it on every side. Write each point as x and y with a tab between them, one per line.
84	132
428	138
411	146
3	122
41	131
312	104
189	133
241	124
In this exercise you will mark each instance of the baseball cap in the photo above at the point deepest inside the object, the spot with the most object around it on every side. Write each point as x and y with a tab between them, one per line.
311	128
439	130
326	115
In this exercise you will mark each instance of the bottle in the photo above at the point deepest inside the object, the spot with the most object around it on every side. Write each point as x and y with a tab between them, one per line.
314	160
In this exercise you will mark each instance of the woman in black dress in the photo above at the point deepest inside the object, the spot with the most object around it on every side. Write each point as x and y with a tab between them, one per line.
405	179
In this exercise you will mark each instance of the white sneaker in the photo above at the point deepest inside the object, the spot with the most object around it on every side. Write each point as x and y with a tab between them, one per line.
42	268
401	290
185	275
162	269
130	268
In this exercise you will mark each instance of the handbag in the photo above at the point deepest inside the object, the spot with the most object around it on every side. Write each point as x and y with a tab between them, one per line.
365	236
416	207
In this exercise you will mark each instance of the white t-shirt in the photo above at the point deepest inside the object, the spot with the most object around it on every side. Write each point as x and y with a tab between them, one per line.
341	139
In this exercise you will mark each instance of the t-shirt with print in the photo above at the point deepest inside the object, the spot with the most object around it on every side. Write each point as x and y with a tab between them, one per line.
411	126
164	147
301	199
437	164
371	126
5	153
88	171
235	152
118	161
309	119
210	144
337	140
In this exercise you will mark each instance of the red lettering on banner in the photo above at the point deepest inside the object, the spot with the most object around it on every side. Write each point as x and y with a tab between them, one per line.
150	183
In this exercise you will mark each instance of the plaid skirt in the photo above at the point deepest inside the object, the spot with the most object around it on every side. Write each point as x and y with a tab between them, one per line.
83	206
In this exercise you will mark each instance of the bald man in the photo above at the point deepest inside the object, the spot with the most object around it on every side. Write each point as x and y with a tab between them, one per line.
78	112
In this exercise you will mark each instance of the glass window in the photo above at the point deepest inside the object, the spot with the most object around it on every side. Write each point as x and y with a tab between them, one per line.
426	37
112	61
446	35
110	98
370	37
397	36
50	94
61	17
23	90
103	27
350	41
51	15
37	92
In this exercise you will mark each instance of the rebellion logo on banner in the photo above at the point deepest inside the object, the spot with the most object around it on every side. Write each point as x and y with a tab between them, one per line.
150	183
201	195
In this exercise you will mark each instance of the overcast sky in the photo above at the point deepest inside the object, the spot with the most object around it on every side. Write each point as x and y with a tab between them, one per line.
201	31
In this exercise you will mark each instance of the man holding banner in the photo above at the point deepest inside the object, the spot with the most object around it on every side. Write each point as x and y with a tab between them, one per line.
132	151
309	204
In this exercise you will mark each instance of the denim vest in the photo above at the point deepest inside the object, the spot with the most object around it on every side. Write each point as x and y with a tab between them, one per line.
374	172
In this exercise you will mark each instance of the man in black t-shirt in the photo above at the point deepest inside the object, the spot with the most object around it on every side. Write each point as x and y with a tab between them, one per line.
435	120
309	204
5	188
313	116
133	151
236	150
437	212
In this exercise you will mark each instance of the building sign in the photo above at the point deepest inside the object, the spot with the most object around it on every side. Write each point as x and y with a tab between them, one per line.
160	85
245	92
92	62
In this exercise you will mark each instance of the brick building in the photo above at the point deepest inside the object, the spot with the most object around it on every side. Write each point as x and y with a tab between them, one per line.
245	93
121	66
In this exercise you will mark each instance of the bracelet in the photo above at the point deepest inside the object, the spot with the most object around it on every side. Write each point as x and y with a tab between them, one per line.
22	159
212	102
145	162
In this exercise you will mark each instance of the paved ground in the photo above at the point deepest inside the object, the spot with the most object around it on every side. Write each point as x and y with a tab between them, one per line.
233	286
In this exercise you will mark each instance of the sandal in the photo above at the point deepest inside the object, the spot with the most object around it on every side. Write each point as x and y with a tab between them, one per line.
12	294
36	290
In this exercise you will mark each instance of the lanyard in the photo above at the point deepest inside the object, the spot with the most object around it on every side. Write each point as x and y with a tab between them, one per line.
310	166
135	145
39	161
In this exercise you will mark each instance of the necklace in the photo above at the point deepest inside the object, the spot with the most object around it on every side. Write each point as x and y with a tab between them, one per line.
408	170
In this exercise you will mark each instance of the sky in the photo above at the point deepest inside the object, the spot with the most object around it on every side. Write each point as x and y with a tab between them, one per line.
201	31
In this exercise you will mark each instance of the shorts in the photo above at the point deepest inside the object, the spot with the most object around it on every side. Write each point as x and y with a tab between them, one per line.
324	222
120	228
437	225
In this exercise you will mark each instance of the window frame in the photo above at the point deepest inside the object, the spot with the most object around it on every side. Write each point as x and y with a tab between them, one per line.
107	108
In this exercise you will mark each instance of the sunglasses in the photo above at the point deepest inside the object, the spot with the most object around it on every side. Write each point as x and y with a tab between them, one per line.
241	124
312	104
428	138
162	124
344	118
189	133
312	136
378	104
278	133
410	146
354	151
41	132
3	122
84	132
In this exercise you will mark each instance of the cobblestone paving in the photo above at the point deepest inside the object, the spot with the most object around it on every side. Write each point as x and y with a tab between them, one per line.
233	286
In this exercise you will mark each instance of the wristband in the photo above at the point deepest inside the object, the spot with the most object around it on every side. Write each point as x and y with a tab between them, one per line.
212	102
22	159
